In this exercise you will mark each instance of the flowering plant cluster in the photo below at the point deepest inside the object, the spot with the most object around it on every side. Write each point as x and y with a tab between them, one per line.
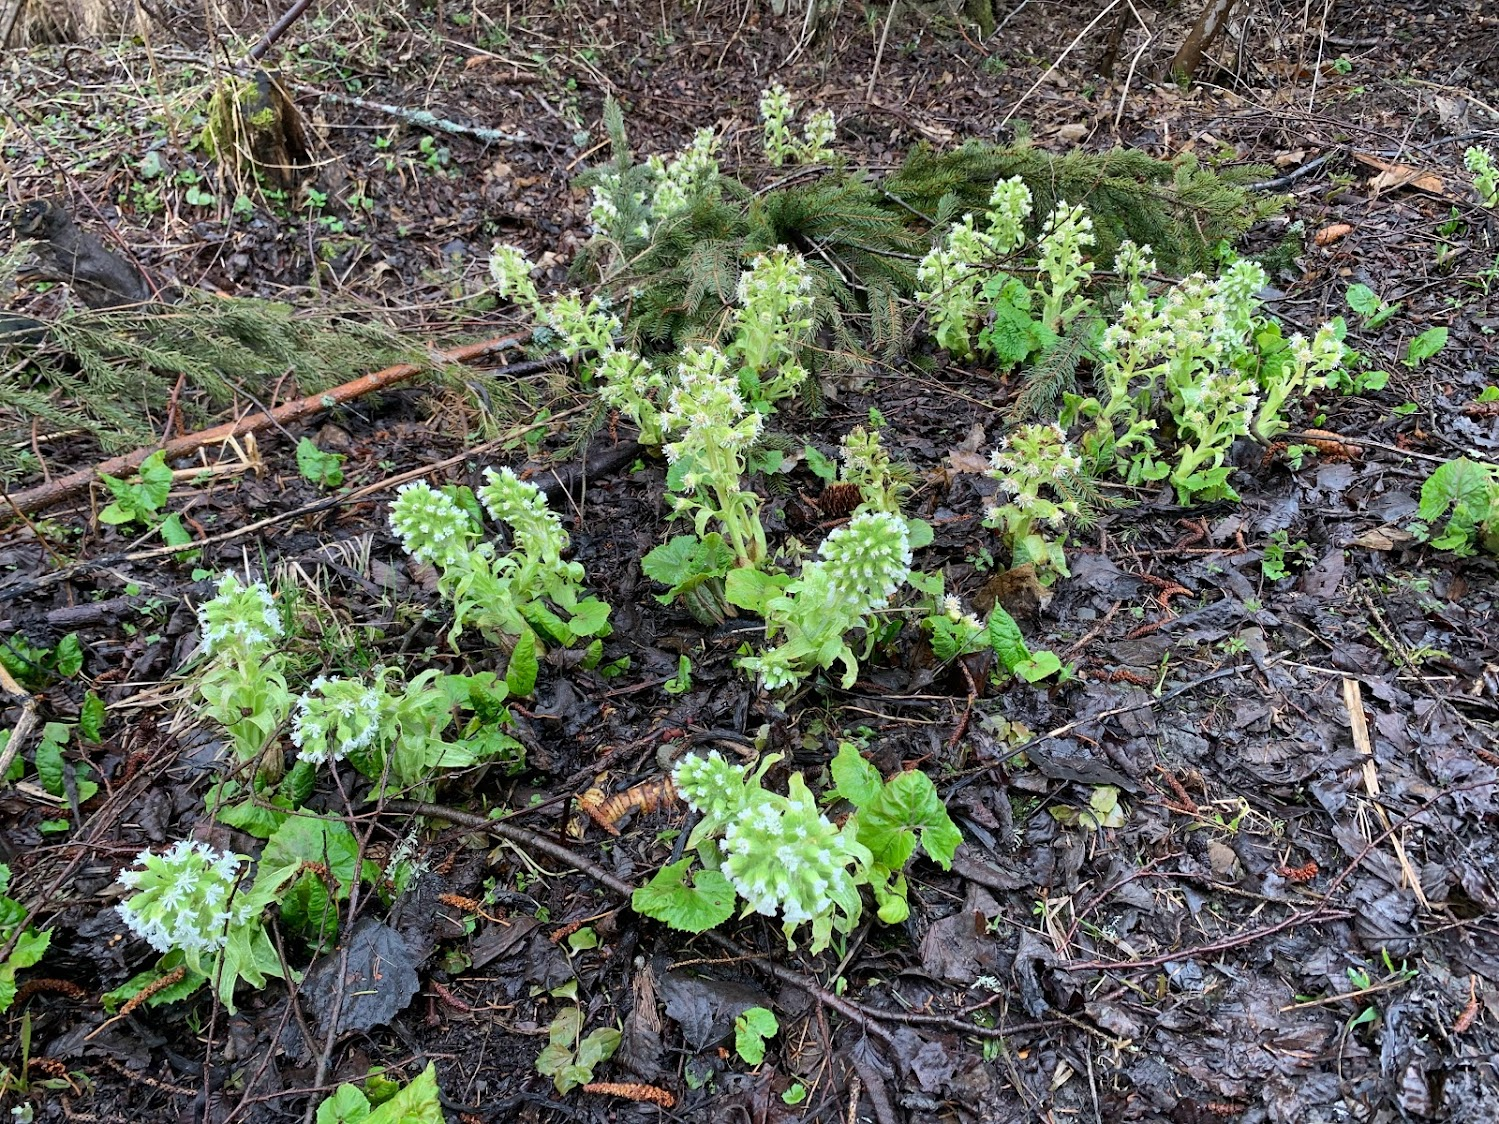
1465	494
957	280
242	684
709	429
1033	460
629	203
956	633
1198	353
781	143
866	465
397	733
194	901
771	324
859	568
1485	175
531	591
779	854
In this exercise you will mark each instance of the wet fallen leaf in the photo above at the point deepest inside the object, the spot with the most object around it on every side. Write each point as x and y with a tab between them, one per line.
1396	175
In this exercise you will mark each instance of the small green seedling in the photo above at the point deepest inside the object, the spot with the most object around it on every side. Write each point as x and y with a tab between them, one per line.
751	1029
570	1058
318	467
1424	346
1371	307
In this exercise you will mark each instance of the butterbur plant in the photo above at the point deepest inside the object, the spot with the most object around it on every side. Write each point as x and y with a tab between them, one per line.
241	684
1485	175
26	945
396	733
958	280
781	856
529	591
1066	234
631	200
771	323
866	465
781	142
859	567
1465	494
690	174
1033	461
197	902
708	429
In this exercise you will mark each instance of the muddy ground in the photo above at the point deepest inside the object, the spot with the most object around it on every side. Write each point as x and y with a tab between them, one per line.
1296	920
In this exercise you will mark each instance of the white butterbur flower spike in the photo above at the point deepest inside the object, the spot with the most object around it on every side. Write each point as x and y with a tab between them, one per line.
431	525
1009	207
512	274
786	857
687	176
336	717
536	528
869	557
581	328
185	898
240	621
706	405
775	113
818	135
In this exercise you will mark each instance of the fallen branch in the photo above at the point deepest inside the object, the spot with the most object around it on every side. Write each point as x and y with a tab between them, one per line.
55	491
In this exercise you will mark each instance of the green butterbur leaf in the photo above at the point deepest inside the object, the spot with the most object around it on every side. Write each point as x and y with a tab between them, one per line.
1425	345
694	908
907	807
68	658
520	672
1006	640
347	1105
857	781
49	762
751	1029
318	467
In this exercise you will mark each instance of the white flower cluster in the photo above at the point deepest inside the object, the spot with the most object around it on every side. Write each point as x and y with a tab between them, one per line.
239	621
1220	402
866	465
1067	232
511	273
1485	174
536	528
182	898
1196	324
818	135
1132	263
581	328
781	143
859	568
691	173
951	274
710	785
773	316
706	408
605	214
1009	206
1029	459
868	559
783	856
775	112
431	525
336	717
952	608
1033	453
